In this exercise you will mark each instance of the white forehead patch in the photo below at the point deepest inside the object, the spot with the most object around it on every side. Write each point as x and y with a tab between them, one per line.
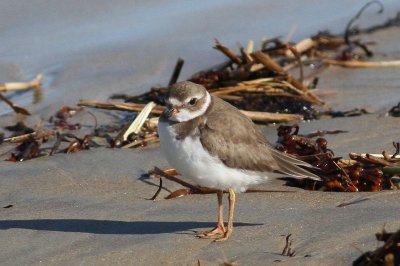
186	115
174	101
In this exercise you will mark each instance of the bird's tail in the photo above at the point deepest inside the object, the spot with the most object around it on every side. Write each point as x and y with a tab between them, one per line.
289	165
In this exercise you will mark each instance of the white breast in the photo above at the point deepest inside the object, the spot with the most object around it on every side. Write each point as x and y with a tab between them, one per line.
191	160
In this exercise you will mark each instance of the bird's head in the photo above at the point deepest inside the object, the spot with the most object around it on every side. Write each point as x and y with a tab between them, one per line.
186	100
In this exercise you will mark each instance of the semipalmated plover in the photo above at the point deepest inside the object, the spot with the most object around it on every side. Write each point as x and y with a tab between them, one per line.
211	142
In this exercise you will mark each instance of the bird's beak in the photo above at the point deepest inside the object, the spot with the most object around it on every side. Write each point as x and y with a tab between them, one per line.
172	112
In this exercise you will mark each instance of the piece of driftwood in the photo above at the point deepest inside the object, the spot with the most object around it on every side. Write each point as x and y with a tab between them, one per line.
362	64
177	71
254	115
17	109
39	134
228	52
18	86
368	158
269	63
271	117
302	47
136	125
133	107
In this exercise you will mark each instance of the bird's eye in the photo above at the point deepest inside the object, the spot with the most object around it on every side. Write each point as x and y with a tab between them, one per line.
193	101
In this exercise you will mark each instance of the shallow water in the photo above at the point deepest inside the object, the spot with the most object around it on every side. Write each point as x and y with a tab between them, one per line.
91	49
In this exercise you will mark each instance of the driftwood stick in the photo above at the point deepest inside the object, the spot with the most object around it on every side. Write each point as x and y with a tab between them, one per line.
133	107
246	55
298	58
17	86
17	109
255	116
271	117
268	62
362	64
34	136
369	159
250	46
272	65
177	71
302	46
228	52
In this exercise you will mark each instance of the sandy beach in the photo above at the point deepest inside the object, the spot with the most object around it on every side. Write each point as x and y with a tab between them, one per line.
93	207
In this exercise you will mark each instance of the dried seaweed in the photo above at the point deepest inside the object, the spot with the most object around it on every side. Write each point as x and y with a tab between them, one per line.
395	110
60	120
287	250
388	254
364	172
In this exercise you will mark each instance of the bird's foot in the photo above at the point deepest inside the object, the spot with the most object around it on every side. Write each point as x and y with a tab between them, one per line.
224	237
217	233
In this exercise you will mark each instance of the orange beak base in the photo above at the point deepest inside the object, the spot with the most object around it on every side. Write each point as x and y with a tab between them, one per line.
173	111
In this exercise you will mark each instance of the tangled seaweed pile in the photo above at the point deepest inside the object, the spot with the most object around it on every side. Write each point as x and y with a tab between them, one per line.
362	172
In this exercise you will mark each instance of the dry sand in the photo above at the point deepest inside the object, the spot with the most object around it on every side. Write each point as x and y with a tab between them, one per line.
91	208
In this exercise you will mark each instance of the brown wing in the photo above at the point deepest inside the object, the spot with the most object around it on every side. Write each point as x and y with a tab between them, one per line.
233	137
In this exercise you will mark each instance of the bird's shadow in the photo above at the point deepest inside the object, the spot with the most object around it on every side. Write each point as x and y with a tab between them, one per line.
107	226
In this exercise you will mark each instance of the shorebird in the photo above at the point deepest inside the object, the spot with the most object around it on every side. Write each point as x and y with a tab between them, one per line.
211	142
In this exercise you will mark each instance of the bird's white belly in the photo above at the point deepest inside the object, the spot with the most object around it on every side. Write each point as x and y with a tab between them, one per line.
191	160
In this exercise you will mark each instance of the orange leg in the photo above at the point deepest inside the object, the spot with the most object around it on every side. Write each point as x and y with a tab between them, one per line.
228	233
219	231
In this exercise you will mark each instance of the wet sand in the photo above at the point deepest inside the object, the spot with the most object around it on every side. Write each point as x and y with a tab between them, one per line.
91	207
